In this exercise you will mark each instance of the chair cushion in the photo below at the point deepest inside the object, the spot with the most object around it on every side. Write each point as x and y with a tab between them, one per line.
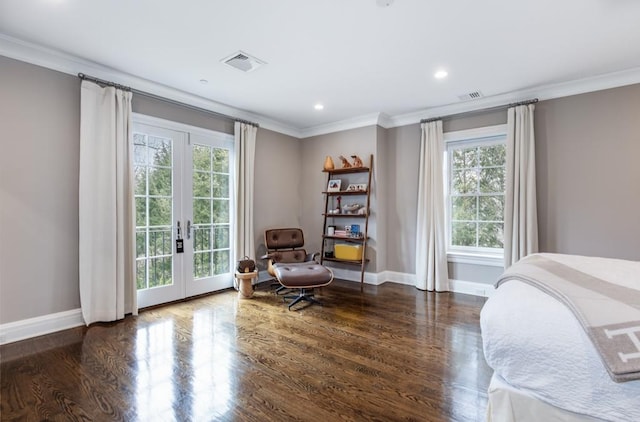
283	238
303	275
297	255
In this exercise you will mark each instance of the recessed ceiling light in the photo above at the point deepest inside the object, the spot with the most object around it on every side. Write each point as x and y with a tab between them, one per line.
204	81
440	74
318	106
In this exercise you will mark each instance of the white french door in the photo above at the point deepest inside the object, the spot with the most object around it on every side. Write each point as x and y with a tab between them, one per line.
184	181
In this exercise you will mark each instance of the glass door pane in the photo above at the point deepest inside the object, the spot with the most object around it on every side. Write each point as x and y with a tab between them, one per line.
211	205
156	151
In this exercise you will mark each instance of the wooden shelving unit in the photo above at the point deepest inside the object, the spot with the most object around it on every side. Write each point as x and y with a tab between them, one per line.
329	240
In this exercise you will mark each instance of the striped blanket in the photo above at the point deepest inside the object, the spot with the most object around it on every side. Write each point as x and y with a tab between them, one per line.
603	294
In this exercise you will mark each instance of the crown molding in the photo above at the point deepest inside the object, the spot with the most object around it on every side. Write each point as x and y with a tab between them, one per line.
543	92
66	63
372	119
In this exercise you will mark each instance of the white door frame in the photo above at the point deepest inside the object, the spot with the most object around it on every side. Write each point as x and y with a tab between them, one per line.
184	285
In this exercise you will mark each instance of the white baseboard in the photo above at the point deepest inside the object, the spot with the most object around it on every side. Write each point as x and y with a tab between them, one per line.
458	286
38	326
353	275
471	288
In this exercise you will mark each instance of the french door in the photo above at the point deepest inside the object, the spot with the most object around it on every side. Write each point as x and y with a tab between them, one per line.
184	209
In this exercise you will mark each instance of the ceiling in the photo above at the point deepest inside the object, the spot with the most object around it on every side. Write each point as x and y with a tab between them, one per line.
353	56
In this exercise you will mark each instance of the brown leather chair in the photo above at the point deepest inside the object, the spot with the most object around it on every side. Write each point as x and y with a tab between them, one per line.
290	264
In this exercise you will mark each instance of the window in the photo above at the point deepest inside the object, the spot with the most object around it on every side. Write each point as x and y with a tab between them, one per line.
476	191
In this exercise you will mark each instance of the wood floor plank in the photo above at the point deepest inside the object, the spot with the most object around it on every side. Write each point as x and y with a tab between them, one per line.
390	353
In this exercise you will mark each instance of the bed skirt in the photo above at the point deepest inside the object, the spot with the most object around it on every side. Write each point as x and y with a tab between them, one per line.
508	404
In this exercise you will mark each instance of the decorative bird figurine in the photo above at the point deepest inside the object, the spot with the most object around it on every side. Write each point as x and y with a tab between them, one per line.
345	163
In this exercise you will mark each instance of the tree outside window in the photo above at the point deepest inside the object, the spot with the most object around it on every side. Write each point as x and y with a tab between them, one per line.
476	194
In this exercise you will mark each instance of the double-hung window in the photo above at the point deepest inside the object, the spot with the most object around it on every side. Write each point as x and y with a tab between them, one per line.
475	186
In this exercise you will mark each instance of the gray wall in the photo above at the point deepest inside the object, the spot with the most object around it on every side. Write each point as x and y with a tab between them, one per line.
404	159
40	132
362	142
277	185
588	173
380	194
165	110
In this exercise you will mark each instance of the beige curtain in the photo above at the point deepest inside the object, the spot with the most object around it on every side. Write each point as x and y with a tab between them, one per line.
431	253
521	214
106	205
245	150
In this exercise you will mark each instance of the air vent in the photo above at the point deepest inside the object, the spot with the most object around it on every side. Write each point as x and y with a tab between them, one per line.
471	96
243	61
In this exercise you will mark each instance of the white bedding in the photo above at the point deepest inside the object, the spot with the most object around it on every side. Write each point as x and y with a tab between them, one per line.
536	344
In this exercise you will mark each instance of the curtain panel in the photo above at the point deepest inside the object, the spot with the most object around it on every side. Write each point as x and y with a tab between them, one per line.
245	151
431	253
521	213
106	205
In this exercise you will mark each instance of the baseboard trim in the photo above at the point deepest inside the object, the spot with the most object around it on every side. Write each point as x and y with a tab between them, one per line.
352	275
38	326
458	286
471	288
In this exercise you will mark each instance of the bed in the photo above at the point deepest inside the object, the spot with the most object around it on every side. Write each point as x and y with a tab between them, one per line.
546	367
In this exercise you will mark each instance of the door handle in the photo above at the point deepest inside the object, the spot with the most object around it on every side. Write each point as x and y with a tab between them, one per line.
188	229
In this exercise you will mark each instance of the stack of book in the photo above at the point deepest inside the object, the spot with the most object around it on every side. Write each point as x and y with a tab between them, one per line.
342	233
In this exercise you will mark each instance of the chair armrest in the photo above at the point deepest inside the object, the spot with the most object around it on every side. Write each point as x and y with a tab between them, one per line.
312	257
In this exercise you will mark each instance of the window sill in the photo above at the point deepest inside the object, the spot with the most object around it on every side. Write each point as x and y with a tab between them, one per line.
488	260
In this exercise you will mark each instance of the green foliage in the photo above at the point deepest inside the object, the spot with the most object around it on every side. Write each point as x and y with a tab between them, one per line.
220	160
202	264
221	261
202	238
201	184
477	196
220	185
463	208
221	211
490	235
202	158
464	181
494	155
154	215
463	234
491	208
221	237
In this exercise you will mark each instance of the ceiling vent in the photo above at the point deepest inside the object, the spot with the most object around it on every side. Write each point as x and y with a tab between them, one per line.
471	96
243	61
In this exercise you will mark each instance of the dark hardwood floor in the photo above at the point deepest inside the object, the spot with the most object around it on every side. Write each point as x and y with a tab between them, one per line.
392	353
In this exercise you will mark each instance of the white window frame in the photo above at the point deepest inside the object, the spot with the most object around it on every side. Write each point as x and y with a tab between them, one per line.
470	255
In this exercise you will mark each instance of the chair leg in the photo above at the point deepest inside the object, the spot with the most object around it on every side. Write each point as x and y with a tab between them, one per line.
304	294
281	289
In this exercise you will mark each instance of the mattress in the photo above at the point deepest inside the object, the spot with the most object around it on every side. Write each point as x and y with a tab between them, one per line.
534	343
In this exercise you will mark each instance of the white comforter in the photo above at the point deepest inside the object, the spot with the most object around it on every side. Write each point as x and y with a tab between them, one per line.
536	344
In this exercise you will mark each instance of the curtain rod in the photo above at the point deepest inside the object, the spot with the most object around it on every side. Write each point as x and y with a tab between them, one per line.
483	110
157	97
